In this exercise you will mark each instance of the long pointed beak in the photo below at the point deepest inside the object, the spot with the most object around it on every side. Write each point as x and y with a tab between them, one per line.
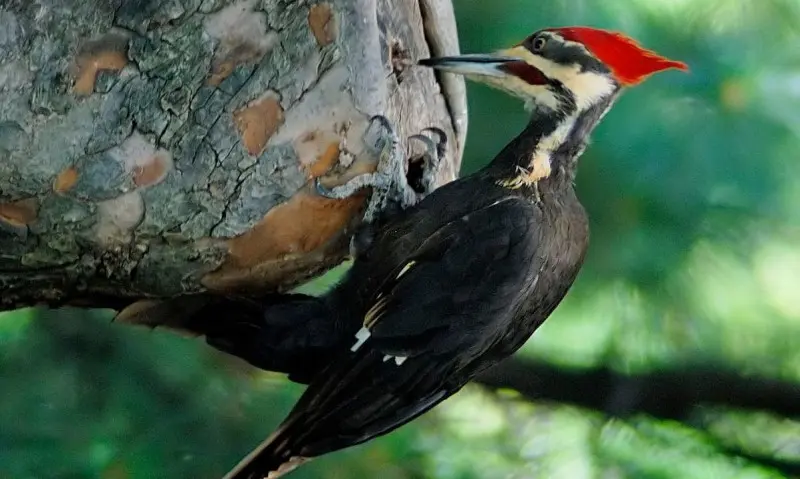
472	64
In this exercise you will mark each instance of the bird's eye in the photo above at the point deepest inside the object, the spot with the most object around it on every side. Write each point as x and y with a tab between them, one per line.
538	44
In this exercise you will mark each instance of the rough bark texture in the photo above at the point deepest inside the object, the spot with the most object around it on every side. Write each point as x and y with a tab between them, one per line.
152	147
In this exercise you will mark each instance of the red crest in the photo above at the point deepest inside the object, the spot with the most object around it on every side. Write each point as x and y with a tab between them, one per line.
629	62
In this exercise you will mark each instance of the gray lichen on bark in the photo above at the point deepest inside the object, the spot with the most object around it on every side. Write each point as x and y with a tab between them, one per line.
154	147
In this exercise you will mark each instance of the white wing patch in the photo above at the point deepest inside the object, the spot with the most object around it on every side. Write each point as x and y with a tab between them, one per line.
405	269
374	314
398	360
361	337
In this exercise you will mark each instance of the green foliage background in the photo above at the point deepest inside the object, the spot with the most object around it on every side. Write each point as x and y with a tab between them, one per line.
692	187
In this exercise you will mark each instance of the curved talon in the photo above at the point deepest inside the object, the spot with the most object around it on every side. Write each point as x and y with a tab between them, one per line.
441	141
377	136
322	190
385	124
438	132
430	145
384	121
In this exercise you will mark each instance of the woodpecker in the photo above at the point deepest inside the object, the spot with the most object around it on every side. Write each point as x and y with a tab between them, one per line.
454	282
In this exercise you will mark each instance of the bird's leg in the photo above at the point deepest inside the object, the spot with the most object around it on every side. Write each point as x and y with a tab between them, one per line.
391	188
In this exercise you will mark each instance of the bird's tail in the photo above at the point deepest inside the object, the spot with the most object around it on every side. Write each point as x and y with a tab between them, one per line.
270	460
287	333
205	314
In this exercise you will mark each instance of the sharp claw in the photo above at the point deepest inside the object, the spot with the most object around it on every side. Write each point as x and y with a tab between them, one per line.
442	136
377	136
322	190
382	119
390	182
430	145
441	141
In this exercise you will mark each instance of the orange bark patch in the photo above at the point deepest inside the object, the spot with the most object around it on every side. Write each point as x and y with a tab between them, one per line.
303	224
243	36
19	213
88	65
298	226
322	23
325	161
65	180
152	172
220	71
257	122
222	67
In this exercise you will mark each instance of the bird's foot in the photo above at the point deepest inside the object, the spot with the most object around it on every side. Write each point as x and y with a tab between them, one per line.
398	181
424	163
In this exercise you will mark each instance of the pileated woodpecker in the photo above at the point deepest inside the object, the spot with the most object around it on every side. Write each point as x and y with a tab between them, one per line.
450	285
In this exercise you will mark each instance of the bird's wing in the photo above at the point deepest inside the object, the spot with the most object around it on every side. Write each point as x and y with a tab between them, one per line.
451	297
462	280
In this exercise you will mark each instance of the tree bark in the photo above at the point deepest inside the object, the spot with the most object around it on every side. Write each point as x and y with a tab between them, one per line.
156	147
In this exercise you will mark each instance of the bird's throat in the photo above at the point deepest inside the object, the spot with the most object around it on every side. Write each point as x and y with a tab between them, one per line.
548	147
529	158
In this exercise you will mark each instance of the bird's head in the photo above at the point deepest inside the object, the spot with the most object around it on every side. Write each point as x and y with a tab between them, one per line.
568	69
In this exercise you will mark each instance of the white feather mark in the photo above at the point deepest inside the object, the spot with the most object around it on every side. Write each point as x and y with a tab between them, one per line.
398	360
362	335
405	269
540	159
539	166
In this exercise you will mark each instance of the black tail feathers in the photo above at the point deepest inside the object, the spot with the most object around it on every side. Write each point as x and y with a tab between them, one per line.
269	461
287	333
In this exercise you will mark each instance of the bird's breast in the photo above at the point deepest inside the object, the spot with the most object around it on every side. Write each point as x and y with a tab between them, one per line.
564	241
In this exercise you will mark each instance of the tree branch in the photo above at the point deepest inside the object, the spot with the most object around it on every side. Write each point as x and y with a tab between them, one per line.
663	394
673	394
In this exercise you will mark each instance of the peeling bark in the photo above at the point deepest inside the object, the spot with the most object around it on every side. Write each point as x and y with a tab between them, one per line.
155	147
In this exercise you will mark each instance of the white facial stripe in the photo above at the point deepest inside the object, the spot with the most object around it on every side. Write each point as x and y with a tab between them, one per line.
540	159
588	87
538	94
551	142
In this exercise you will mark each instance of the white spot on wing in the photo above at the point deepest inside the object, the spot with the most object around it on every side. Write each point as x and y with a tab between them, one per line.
405	269
362	335
398	360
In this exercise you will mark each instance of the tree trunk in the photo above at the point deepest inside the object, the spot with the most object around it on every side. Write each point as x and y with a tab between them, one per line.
155	147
